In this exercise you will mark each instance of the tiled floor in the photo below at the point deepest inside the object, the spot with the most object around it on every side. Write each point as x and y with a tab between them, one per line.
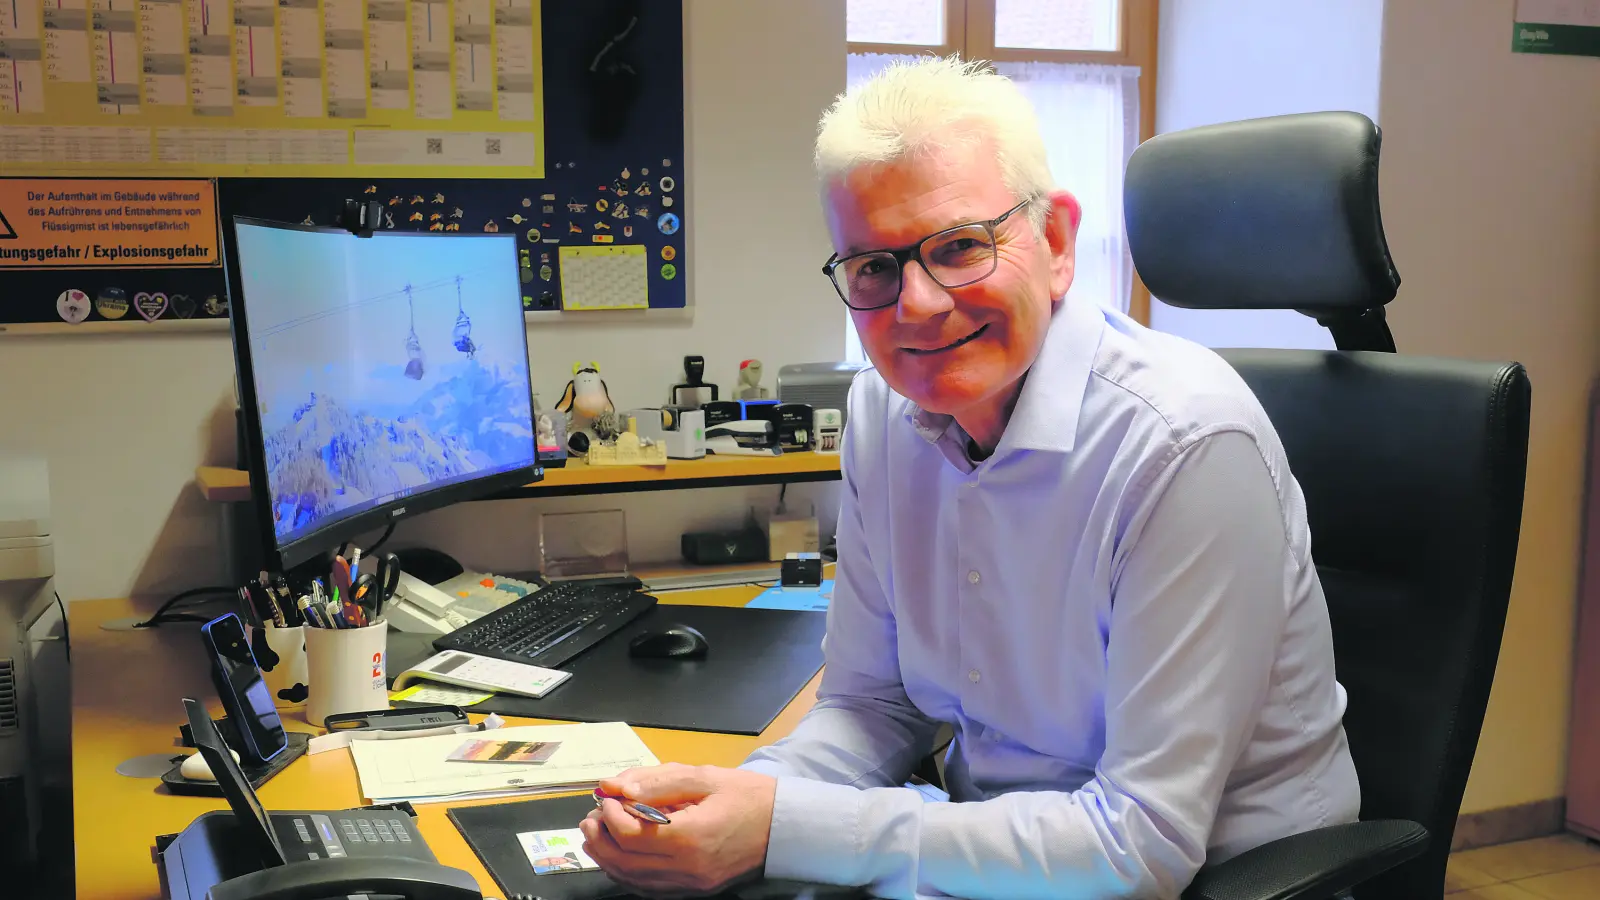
1550	868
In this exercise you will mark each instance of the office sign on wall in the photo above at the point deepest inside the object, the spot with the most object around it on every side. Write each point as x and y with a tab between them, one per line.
1562	27
124	223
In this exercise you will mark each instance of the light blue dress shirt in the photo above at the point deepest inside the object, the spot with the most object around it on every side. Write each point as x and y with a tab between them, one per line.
1116	612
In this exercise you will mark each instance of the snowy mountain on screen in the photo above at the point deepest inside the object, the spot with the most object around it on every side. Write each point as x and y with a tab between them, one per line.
331	457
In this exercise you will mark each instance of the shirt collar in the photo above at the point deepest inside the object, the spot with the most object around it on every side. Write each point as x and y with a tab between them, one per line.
1047	411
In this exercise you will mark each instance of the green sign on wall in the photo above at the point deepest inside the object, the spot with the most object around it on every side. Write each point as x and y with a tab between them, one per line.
1564	27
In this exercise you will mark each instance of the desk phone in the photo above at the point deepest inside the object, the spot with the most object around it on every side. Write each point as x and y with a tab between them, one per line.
248	853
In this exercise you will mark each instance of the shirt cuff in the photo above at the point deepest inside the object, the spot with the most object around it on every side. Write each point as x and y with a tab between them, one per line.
814	833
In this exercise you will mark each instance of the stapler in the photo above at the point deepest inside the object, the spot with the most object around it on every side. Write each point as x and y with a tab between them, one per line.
746	437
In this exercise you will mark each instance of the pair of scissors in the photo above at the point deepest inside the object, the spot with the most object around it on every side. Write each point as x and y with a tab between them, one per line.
373	591
342	575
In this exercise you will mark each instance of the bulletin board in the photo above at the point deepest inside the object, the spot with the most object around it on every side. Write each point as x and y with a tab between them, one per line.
604	170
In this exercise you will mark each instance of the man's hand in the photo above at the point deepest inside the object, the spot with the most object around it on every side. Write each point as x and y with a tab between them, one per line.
721	819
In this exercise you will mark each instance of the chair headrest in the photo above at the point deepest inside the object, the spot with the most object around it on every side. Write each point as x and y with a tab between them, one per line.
1273	213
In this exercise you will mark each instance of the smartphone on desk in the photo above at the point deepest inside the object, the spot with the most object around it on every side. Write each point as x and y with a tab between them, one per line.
244	695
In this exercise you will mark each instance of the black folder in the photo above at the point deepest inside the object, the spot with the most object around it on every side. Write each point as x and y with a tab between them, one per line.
491	831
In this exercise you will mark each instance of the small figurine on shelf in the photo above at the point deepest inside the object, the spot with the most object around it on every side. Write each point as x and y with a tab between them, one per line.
586	397
549	436
606	427
750	381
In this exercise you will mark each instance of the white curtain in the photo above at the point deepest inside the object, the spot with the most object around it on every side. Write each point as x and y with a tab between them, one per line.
1090	118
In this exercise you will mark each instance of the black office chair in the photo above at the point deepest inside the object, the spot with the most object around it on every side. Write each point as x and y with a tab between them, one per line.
1412	470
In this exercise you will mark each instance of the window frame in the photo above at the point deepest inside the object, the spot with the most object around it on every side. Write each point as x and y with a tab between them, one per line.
969	31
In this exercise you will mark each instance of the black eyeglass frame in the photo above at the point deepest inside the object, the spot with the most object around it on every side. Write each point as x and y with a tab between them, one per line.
903	256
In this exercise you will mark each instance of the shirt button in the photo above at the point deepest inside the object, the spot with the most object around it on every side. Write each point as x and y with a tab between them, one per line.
971	484
973	676
973	578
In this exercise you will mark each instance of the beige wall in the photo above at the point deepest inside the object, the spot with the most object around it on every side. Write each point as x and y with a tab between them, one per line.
1491	199
123	421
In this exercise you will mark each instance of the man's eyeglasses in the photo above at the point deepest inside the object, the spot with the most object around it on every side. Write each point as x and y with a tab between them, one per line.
953	258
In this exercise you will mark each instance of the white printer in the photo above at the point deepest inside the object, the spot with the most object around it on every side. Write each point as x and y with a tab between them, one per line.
35	698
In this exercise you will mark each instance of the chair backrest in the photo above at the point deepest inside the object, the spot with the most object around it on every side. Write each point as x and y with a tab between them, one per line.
1412	467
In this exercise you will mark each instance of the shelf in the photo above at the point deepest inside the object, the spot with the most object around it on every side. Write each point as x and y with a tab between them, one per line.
578	479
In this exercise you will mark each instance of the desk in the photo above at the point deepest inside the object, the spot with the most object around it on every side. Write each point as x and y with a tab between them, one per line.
126	691
577	478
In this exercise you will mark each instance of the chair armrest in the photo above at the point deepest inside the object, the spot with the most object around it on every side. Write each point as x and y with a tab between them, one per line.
1312	865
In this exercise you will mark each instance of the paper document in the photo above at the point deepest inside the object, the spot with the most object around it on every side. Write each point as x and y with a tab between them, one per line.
422	771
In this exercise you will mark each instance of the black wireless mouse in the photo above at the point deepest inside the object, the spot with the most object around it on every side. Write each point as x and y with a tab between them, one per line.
672	642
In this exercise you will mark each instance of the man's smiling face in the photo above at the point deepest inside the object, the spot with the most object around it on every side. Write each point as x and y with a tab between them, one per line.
956	351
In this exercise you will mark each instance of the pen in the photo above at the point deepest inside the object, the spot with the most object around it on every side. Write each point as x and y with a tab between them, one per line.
635	808
248	607
309	613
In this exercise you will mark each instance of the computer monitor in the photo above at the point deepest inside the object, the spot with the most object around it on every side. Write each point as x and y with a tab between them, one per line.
378	377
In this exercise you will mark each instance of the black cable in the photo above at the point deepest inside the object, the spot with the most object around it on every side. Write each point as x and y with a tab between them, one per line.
66	632
387	532
162	615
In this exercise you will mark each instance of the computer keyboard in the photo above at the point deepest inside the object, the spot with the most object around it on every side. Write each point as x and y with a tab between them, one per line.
551	626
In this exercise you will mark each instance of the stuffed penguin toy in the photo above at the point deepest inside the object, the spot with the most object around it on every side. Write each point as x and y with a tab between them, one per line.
586	397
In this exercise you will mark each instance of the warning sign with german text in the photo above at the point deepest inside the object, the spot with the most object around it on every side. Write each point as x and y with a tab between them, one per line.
87	223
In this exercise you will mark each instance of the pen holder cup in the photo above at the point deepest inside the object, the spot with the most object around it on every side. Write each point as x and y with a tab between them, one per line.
349	670
281	655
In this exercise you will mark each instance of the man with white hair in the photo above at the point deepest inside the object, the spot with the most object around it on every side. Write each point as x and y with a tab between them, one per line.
1074	540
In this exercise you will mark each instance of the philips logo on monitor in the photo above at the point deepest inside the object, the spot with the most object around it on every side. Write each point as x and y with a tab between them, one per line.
383	368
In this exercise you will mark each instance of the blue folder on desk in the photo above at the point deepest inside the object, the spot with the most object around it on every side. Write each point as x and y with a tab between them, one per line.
799	598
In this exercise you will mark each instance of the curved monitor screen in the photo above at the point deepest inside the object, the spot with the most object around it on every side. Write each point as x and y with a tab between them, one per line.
382	367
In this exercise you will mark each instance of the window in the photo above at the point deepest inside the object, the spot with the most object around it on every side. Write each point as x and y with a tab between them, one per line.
1088	66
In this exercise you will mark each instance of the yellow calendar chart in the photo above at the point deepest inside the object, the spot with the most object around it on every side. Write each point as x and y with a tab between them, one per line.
271	88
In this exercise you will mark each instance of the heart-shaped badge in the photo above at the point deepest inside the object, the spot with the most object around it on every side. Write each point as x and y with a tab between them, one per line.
183	305
151	306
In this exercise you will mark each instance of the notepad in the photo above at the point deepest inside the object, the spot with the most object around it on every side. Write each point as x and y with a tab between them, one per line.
421	770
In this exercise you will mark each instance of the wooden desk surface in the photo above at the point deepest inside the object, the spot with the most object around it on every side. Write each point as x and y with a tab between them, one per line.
577	477
126	693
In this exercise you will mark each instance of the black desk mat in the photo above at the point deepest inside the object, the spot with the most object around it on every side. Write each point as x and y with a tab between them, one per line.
491	831
758	661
